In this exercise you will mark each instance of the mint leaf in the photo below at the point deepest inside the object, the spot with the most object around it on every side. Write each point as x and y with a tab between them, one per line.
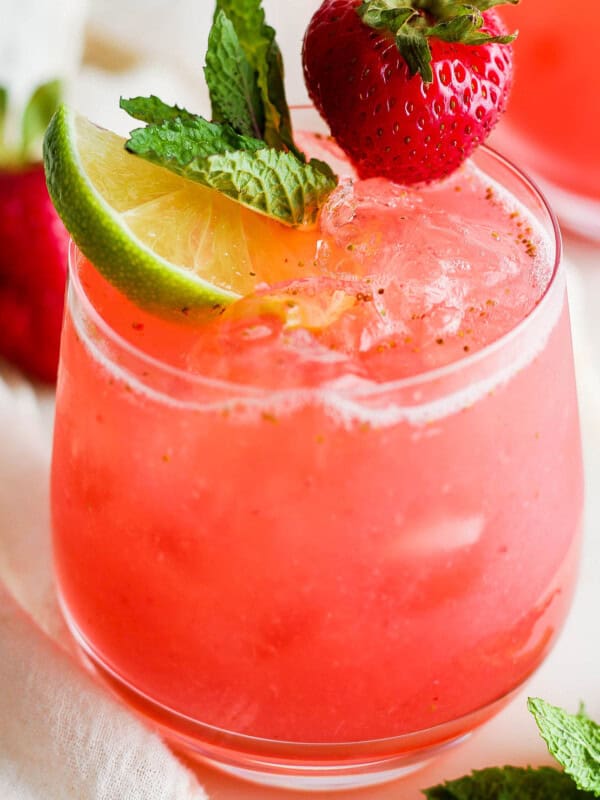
573	740
509	783
257	40
153	111
182	140
234	92
37	115
272	182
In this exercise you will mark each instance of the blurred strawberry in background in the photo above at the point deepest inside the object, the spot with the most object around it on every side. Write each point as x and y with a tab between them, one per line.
41	45
33	244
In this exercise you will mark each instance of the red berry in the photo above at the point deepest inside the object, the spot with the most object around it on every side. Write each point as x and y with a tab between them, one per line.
393	124
33	261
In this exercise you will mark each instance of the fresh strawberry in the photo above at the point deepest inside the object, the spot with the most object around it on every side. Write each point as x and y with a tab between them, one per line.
408	89
33	258
33	253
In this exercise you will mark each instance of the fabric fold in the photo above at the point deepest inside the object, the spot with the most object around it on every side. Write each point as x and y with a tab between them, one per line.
62	735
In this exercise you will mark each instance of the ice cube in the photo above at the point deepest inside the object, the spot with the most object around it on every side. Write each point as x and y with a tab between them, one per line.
437	533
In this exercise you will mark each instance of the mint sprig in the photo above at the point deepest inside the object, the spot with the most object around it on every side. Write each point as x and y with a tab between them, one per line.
573	740
414	22
269	181
509	783
247	152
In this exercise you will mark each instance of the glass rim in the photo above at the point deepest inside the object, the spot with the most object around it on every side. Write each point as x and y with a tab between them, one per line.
364	389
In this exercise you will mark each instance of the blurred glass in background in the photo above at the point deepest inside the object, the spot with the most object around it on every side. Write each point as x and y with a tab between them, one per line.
40	40
552	126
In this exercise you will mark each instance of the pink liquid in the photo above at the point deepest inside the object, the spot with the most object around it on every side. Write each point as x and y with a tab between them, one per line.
551	126
305	553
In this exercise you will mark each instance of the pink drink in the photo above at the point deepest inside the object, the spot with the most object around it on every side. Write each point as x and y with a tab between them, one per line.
367	532
552	122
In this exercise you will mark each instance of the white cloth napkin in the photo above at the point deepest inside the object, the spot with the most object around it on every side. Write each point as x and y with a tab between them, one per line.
62	737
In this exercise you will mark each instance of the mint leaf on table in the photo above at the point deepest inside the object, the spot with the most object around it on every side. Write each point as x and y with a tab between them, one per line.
153	111
258	42
266	180
509	783
573	740
232	81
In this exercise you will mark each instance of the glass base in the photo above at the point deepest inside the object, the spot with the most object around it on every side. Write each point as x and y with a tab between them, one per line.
290	765
337	768
322	779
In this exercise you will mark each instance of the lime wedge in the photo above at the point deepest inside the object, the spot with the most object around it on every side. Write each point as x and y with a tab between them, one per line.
169	244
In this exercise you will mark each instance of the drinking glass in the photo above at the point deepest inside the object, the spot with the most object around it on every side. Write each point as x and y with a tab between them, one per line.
323	585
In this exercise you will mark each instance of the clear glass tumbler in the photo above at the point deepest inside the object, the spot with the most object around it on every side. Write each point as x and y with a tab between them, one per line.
316	587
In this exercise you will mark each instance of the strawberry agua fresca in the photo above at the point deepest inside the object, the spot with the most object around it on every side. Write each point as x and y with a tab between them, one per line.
340	536
320	531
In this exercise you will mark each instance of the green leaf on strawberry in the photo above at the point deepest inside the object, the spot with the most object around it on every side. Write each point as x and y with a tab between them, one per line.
410	22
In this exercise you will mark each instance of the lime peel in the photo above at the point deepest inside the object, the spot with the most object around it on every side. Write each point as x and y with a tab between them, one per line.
99	227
